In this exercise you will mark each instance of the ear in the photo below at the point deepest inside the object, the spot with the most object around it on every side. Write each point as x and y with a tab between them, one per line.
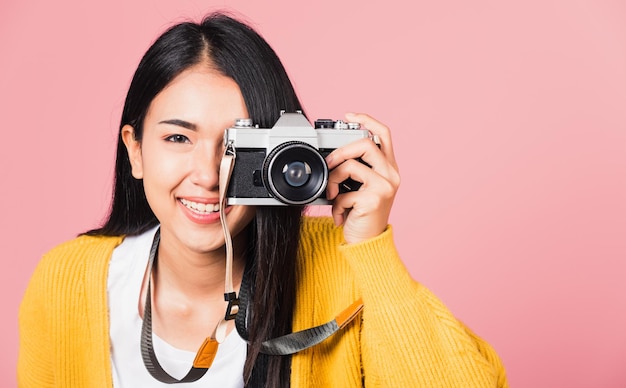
134	151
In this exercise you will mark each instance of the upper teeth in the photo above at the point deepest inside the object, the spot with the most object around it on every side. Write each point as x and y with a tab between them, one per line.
201	207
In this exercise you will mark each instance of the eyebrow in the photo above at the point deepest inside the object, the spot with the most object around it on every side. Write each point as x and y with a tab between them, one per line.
180	123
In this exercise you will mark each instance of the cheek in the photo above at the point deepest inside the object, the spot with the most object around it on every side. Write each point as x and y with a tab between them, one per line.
161	172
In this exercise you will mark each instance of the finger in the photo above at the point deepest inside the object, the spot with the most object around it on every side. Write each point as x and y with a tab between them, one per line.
338	215
376	128
341	208
365	149
350	169
359	172
377	167
363	214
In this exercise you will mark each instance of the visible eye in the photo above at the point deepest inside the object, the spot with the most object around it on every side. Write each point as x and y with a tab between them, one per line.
178	139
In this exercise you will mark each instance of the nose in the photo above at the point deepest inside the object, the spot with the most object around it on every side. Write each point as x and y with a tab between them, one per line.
205	166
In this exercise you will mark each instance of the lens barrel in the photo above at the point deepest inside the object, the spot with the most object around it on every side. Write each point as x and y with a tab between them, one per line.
295	173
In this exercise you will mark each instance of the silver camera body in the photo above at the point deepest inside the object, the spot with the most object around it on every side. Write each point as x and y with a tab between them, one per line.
285	164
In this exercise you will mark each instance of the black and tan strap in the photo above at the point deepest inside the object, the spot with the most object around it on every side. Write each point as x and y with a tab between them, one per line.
226	169
205	355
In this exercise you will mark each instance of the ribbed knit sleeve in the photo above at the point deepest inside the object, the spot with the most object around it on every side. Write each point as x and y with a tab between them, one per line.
63	318
407	337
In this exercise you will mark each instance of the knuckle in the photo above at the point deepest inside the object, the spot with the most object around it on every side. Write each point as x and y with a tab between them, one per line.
396	180
388	190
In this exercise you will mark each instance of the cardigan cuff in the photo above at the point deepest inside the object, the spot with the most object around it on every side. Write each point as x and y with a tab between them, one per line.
378	266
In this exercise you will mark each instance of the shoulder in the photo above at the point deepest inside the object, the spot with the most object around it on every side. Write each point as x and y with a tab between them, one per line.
66	274
83	247
86	242
80	255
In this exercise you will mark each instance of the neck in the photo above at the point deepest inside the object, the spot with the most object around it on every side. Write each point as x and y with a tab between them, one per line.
198	275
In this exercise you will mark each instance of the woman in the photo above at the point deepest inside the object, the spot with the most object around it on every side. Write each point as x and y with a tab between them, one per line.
158	261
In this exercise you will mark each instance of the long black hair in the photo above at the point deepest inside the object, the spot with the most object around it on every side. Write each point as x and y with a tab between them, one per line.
238	52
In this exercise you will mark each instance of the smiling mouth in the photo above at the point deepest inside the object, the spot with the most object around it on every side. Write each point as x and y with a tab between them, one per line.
201	208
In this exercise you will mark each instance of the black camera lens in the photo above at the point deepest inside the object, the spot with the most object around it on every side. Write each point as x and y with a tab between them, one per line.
295	173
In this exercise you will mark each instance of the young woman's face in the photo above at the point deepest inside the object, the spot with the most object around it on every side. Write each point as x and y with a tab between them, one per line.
179	156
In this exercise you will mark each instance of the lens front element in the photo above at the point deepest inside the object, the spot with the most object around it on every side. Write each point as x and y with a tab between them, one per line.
296	173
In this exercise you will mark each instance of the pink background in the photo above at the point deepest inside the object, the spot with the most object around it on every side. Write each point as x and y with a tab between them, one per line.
510	131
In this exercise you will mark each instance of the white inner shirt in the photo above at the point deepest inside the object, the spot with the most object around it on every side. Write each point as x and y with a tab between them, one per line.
126	272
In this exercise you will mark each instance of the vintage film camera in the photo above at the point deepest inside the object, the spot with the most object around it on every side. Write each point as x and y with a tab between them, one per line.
285	164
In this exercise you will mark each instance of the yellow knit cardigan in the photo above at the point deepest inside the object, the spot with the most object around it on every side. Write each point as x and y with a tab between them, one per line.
405	336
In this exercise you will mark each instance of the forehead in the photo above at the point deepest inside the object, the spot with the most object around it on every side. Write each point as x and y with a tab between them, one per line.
197	94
